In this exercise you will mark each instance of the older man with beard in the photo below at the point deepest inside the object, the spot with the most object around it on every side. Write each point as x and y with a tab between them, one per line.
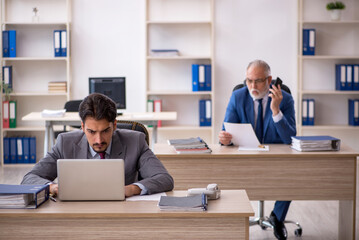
271	113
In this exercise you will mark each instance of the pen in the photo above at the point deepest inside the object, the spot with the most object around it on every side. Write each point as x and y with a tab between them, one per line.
52	198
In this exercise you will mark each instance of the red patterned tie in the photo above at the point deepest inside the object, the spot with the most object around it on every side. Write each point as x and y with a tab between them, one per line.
102	155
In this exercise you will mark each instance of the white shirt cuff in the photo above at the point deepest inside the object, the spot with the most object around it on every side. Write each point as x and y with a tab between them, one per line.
143	188
278	117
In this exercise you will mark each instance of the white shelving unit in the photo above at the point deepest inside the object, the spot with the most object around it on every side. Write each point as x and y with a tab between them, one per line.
186	25
336	43
35	65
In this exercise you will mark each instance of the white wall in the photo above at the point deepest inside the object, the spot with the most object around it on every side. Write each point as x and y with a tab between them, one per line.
108	39
248	30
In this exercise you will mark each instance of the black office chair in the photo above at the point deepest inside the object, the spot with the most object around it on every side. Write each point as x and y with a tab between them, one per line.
135	126
70	106
261	220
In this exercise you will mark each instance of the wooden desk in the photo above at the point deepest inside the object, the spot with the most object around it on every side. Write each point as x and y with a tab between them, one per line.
279	174
73	118
226	218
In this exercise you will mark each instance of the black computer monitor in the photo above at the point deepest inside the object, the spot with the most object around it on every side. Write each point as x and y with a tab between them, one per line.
113	87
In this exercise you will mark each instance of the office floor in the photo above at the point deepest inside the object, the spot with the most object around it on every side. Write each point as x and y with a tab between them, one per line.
319	219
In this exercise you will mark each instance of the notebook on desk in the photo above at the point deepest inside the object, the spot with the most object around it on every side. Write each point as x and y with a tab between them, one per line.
91	179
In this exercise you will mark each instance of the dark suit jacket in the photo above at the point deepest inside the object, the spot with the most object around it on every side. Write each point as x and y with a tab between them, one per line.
240	109
140	162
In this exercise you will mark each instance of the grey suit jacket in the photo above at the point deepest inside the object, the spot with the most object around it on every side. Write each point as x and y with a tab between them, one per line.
140	162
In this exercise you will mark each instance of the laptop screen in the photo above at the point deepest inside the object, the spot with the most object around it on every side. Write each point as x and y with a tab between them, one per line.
91	179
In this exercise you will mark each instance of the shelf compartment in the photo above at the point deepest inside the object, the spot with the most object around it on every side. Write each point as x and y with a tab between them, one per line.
316	92
169	93
171	76
330	57
21	11
331	127
36	59
179	10
180	58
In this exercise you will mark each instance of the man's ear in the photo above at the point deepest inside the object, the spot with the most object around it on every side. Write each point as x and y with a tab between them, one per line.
115	124
269	80
82	126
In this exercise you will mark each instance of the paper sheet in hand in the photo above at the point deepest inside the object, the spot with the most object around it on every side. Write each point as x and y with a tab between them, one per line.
244	136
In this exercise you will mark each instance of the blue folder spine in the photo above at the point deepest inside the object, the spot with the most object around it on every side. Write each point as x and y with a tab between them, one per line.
63	43
353	112
12	43
202	113
208	112
208	77
32	150
195	83
20	151
6	141
311	111
356	77
26	149
340	77
309	41
57	43
305	112
5	44
13	150
349	77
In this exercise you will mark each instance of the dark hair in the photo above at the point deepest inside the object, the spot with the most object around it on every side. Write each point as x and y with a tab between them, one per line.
99	107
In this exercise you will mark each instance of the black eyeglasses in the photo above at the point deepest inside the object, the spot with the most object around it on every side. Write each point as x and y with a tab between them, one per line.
257	81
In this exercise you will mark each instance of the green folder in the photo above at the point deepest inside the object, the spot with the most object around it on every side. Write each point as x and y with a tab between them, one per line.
12	111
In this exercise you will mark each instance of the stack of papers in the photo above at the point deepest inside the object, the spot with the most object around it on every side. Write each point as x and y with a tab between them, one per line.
196	203
315	143
244	137
164	52
190	145
53	113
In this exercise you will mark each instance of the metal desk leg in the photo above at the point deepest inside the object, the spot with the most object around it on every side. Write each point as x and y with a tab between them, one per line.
154	136
46	140
51	136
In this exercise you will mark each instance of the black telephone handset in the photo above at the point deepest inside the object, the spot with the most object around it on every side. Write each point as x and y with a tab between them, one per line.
277	82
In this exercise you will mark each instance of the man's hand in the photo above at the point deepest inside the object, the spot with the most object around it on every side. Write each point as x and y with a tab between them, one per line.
131	190
225	137
54	189
276	95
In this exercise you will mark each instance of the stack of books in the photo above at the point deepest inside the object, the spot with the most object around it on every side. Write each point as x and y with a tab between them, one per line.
190	145
196	203
58	87
315	143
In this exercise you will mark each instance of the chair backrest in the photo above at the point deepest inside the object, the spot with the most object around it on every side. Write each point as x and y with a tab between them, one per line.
135	126
283	86
72	106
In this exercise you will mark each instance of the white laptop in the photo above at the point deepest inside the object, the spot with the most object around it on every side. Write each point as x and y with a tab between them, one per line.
91	179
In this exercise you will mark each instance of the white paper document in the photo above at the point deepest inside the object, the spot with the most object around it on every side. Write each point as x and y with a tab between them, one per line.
53	113
244	137
152	197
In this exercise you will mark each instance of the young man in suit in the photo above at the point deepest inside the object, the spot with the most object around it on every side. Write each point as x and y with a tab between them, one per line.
99	138
271	113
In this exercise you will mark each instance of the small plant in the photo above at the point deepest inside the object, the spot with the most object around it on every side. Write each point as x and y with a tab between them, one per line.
335	5
7	90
